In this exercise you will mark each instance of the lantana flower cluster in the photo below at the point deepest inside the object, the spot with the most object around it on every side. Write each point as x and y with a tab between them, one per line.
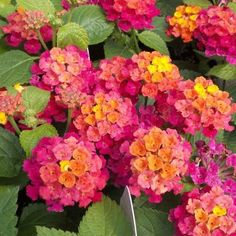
130	14
160	159
156	71
10	105
25	27
183	23
65	171
106	116
214	165
216	32
207	212
65	71
213	29
204	106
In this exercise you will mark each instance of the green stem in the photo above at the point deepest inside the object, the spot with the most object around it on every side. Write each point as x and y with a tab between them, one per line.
136	46
224	85
145	102
14	124
54	37
41	40
69	118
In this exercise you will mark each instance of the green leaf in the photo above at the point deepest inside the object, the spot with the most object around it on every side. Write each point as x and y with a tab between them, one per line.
57	4
1	24
6	8
35	99
189	74
153	41
103	219
3	48
229	140
151	222
21	180
232	5
113	48
93	20
200	3
30	138
15	68
11	154
72	34
42	5
43	231
38	215
169	201
8	219
167	7
161	26
224	71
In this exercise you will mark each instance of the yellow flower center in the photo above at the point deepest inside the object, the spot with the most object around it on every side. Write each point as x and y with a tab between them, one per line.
18	87
201	91
64	165
219	211
3	118
212	89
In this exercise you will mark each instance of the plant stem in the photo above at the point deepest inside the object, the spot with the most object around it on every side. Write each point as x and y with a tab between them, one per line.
54	37
145	102
224	85
136	46
41	40
14	124
69	118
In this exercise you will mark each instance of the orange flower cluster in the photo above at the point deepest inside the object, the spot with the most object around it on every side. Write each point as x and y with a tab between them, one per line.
183	23
160	158
205	105
105	114
157	71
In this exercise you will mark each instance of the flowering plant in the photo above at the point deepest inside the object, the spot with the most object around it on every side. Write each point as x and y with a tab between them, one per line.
101	97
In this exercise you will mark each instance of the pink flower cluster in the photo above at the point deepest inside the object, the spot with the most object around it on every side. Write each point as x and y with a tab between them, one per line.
22	27
159	160
115	75
216	32
66	71
214	165
209	212
65	171
130	14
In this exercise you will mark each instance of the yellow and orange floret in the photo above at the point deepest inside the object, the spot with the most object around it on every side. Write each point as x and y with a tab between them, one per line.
183	22
156	71
160	159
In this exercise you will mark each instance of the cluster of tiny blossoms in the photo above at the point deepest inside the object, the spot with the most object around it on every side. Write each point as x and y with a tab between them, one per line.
214	165
183	23
23	27
156	71
10	105
204	106
213	28
64	71
216	32
65	171
205	213
130	14
106	114
160	159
